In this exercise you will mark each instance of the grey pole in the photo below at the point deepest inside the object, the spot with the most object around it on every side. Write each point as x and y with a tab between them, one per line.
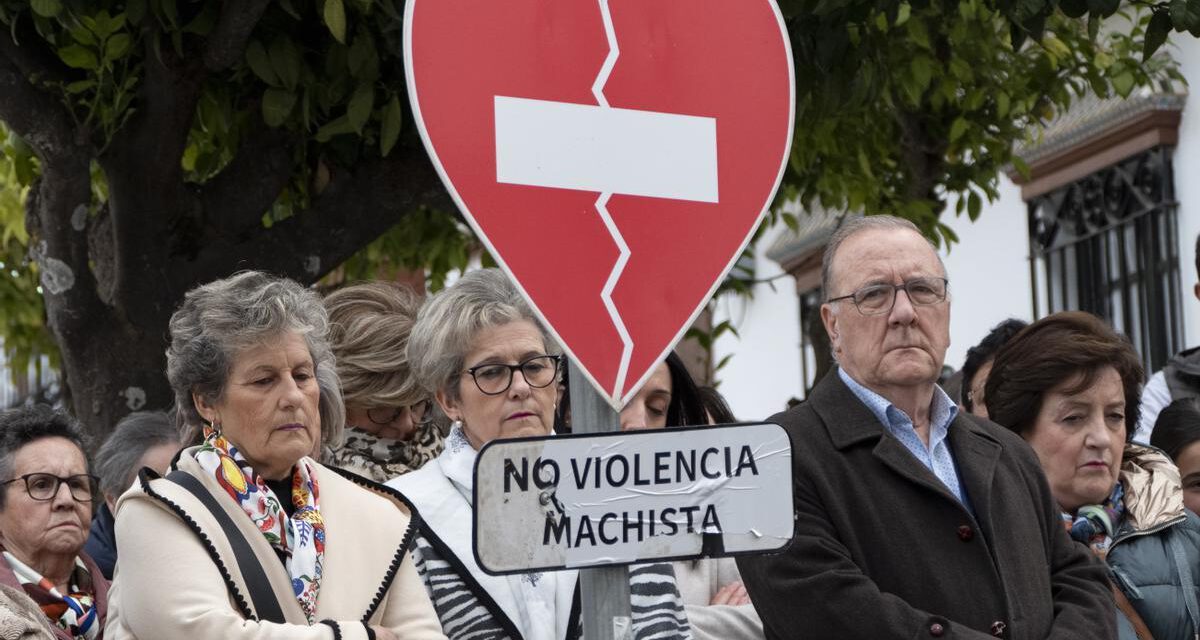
604	591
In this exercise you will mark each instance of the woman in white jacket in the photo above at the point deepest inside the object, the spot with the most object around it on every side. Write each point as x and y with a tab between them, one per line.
249	537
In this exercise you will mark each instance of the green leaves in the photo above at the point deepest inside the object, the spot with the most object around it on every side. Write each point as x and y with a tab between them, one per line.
335	19
1156	33
390	130
359	108
46	8
277	105
79	57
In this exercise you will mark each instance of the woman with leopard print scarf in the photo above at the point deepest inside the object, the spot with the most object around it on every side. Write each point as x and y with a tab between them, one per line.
389	425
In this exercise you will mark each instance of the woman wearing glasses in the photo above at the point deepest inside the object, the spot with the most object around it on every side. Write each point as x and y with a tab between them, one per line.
45	510
481	353
388	426
249	537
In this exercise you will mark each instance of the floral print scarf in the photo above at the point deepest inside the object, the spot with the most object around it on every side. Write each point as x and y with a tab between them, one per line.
74	612
300	537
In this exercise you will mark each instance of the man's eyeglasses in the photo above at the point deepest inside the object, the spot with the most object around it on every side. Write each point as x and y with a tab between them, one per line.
387	415
878	299
44	486
495	379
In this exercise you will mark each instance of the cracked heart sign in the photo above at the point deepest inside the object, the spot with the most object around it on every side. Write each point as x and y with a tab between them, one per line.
615	156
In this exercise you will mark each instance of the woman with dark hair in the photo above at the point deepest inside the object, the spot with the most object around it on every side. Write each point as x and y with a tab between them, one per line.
1069	385
669	398
1177	433
47	492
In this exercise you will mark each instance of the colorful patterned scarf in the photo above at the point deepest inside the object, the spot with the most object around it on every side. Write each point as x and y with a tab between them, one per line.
382	459
74	612
301	537
1095	524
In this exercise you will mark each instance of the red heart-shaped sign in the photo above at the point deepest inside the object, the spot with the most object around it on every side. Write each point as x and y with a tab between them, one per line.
614	155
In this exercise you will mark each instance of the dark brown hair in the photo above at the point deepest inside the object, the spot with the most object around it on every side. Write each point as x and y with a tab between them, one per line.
1057	349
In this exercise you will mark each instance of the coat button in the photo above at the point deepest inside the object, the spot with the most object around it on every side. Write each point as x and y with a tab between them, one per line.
965	533
937	630
998	628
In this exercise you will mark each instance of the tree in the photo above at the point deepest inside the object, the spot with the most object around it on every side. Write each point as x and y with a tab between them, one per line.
164	143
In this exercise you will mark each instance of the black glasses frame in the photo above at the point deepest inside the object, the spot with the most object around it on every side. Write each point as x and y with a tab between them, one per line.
420	411
520	366
856	296
58	483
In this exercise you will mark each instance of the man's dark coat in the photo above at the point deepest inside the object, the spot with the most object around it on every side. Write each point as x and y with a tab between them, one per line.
884	550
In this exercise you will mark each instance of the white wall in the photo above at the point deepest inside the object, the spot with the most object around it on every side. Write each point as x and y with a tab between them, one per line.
988	270
765	370
1187	188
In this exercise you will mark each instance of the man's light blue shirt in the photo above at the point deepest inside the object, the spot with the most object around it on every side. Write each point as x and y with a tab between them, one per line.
937	457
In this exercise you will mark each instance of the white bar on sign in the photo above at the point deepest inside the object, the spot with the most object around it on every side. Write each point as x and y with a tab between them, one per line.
591	148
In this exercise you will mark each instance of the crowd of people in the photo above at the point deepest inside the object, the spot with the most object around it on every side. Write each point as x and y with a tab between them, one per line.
315	476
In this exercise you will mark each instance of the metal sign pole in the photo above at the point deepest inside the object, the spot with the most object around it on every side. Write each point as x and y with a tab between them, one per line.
604	591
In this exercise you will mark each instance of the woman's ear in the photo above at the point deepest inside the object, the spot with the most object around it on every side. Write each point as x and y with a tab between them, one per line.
449	405
205	409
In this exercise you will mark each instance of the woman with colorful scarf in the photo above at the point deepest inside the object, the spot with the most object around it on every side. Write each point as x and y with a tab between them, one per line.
1069	385
389	430
248	537
46	494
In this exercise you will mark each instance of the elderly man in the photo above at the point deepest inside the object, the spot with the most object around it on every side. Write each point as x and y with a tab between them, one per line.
911	520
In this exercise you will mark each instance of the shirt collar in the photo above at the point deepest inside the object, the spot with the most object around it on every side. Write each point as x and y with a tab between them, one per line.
942	410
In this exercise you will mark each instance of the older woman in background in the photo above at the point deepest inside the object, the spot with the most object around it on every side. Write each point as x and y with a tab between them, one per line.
1069	385
388	427
479	350
45	508
249	537
142	439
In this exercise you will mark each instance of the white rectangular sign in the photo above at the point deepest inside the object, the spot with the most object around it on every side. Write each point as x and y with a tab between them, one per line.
608	150
617	498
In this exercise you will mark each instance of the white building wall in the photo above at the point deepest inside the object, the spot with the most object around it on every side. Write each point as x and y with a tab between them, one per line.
765	369
1187	183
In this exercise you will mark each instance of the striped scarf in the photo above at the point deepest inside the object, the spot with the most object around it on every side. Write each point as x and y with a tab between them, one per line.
301	537
74	612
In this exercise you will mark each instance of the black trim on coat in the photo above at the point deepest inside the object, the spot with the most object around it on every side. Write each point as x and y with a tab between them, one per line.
337	630
144	477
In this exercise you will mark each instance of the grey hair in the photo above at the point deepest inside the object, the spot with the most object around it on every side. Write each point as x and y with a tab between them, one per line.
219	319
852	226
24	425
369	325
135	434
448	324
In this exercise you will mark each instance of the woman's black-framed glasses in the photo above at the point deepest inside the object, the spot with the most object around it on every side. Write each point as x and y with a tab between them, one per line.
44	486
878	299
495	379
386	415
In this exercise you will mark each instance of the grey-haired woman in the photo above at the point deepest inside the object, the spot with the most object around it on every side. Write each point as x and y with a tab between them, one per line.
141	439
389	430
481	353
251	367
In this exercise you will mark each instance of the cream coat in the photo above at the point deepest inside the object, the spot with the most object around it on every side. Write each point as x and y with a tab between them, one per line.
169	584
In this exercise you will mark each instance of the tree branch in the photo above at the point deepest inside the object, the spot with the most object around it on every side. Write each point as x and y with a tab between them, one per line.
227	42
239	195
354	209
35	115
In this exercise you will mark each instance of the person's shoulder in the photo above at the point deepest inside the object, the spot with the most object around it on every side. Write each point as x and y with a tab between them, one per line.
1012	445
362	492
